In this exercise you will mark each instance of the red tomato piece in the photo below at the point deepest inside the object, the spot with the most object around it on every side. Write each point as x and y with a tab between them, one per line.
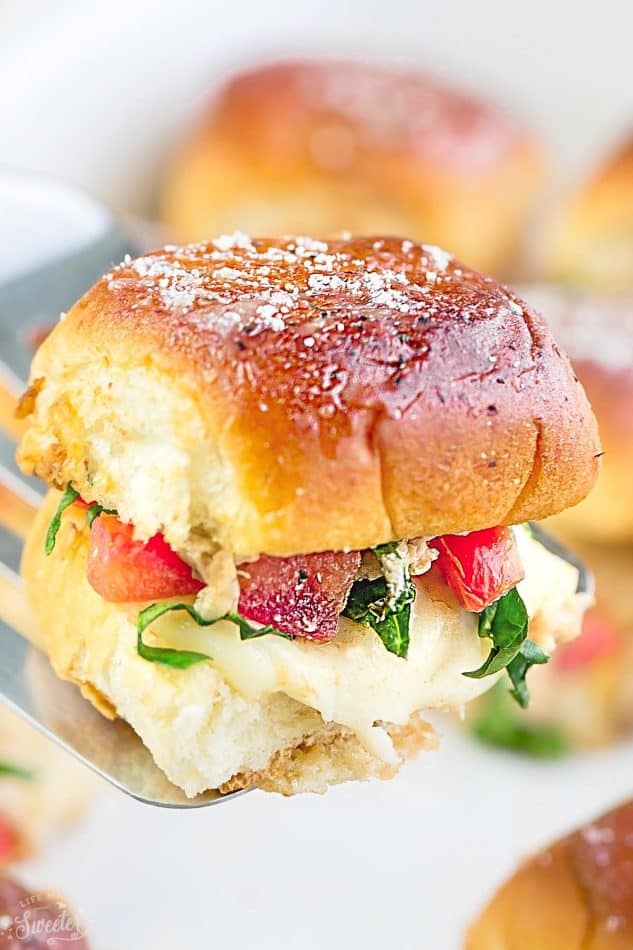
598	639
122	570
479	567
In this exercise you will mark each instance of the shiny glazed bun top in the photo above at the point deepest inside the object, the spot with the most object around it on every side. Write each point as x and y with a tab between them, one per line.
292	395
388	109
322	145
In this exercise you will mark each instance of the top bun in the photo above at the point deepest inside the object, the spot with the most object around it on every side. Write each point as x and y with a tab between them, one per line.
593	240
288	396
318	146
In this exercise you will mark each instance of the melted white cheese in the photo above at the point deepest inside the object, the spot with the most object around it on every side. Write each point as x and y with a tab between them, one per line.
353	680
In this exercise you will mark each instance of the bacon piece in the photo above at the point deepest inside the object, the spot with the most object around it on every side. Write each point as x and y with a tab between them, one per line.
302	595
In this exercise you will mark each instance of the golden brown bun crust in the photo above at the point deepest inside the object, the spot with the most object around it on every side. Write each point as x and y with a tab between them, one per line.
597	333
333	755
575	895
334	396
593	241
326	146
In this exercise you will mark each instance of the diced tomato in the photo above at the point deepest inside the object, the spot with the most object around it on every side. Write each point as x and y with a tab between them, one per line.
8	840
121	569
598	639
479	567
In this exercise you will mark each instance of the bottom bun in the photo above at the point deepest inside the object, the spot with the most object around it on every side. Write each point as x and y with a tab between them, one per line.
333	755
575	895
288	716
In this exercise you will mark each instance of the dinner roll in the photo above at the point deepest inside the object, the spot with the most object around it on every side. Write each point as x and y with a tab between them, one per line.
42	789
324	146
290	396
576	894
286	716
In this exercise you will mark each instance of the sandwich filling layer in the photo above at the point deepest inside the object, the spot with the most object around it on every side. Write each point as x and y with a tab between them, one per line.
354	678
354	681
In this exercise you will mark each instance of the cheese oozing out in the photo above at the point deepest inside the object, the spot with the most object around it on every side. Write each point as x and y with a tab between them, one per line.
355	682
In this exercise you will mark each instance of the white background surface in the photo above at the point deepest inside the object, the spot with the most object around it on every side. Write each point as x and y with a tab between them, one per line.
94	93
401	865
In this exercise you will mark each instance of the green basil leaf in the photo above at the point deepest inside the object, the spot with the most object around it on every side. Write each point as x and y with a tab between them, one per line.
249	632
394	631
365	598
183	659
501	724
180	659
388	548
17	771
505	622
95	510
367	604
528	655
68	498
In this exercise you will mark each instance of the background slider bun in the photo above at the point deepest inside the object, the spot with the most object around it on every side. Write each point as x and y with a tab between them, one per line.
596	332
592	239
321	145
575	895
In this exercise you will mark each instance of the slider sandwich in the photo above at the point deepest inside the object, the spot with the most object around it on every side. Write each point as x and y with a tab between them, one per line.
290	481
575	894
